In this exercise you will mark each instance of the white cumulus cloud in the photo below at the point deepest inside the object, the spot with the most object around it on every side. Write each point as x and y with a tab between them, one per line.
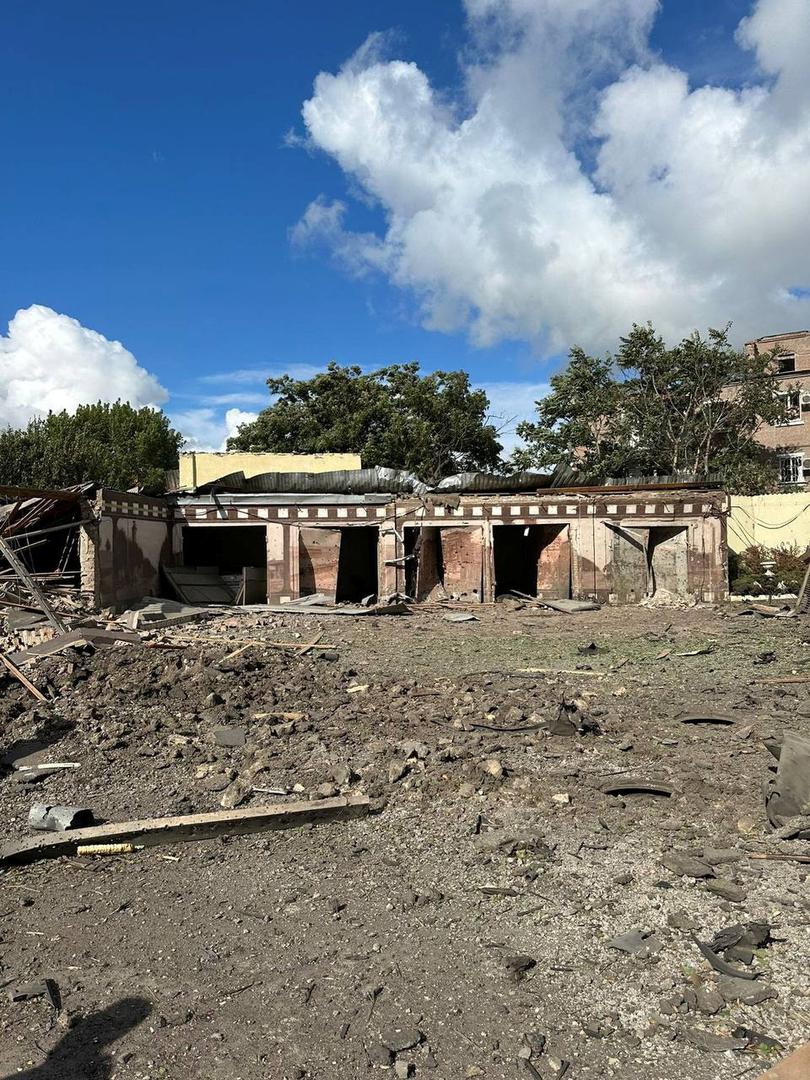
50	361
207	428
578	184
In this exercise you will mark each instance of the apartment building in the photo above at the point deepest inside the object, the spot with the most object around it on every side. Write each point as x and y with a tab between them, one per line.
792	371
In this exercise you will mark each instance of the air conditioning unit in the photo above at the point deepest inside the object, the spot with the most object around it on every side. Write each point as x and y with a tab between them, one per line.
806	398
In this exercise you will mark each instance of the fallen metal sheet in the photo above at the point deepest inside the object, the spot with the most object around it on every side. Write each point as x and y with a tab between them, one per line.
769	612
46	818
198	585
148	832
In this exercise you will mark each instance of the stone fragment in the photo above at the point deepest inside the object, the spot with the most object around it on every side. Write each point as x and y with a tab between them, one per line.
709	1001
493	767
229	736
709	1042
378	1054
679	862
399	1037
638	943
745	991
727	889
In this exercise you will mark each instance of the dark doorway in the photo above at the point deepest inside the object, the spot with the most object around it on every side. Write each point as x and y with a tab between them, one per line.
357	575
532	559
229	548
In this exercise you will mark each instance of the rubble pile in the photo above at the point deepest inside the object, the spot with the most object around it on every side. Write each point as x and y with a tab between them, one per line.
566	868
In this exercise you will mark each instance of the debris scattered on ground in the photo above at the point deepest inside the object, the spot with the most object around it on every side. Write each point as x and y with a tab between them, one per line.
496	847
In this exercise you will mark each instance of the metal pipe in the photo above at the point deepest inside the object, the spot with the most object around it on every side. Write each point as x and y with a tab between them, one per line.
52	529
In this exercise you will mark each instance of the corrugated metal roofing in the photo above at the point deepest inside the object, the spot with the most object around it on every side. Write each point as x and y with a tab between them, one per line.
376	481
342	482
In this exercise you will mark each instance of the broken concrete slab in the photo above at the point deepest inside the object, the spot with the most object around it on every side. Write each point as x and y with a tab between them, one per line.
97	636
153	612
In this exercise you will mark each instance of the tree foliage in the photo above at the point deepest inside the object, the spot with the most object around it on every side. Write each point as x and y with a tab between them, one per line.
650	410
432	425
116	445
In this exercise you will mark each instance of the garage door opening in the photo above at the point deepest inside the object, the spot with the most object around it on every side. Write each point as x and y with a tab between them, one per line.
341	564
532	559
357	575
237	553
227	547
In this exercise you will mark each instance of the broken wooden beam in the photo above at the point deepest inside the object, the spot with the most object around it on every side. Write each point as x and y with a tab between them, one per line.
170	830
18	675
27	579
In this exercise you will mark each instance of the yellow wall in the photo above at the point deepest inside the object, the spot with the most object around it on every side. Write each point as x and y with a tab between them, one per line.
201	468
769	520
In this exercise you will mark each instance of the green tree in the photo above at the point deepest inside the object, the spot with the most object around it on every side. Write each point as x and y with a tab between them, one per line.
432	425
115	445
649	410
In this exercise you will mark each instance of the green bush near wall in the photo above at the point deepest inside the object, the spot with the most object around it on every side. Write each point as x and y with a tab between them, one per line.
747	573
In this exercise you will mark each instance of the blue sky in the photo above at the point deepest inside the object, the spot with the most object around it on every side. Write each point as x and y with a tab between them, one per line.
148	187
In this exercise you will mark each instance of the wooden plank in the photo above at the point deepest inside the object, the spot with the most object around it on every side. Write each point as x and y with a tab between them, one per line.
169	830
18	675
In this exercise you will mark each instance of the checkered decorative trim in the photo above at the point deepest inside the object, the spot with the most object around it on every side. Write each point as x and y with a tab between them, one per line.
136	508
531	511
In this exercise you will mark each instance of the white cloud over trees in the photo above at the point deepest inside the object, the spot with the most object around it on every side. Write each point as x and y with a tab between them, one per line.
577	183
50	361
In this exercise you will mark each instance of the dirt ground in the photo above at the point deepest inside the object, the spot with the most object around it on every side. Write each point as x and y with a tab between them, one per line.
462	929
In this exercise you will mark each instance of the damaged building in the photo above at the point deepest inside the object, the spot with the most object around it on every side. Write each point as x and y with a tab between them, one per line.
354	534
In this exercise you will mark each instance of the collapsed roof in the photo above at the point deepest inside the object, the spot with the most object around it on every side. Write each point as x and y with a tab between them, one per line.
376	481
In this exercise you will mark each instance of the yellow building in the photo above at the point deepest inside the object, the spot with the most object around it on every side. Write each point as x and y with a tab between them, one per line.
769	520
202	467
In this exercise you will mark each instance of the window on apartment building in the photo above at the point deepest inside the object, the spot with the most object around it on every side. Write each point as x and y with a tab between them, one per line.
791	468
786	362
792	401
